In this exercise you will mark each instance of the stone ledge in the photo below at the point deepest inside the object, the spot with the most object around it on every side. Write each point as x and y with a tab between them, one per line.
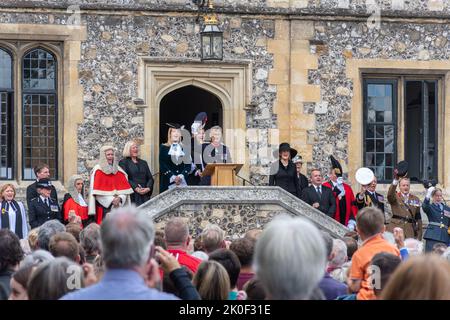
168	201
328	8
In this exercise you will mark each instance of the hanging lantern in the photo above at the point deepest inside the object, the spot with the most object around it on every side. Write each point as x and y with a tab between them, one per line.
211	37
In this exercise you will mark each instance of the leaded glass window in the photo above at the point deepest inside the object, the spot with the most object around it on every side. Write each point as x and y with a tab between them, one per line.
6	116
40	116
380	98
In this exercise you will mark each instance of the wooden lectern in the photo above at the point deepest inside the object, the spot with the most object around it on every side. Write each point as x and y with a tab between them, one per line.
222	174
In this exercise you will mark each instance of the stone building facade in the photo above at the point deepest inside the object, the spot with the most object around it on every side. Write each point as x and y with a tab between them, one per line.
310	72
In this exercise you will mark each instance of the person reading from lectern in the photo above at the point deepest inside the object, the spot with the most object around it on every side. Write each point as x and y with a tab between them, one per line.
174	165
214	152
109	186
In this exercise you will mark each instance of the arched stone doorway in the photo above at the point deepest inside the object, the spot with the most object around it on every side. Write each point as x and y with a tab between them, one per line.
231	83
183	104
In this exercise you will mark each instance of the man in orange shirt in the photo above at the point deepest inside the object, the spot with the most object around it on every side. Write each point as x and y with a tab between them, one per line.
370	226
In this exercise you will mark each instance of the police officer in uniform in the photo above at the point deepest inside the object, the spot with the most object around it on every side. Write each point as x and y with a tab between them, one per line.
43	208
438	216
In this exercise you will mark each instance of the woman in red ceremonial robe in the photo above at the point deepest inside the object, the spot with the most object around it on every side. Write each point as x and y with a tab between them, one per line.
109	185
74	200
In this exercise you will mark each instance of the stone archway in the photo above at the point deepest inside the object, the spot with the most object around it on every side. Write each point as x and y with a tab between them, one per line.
230	83
182	105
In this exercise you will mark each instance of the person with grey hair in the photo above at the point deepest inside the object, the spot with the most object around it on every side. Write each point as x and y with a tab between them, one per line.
439	248
36	258
214	152
414	246
290	258
127	236
338	266
330	287
90	241
48	230
53	279
177	238
213	238
446	254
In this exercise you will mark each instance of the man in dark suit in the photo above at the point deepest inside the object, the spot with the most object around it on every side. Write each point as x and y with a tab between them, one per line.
319	196
43	208
42	172
369	197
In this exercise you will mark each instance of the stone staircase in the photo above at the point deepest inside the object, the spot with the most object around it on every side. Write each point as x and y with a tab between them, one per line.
234	209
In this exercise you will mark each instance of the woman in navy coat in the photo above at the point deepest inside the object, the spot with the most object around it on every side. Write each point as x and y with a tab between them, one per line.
439	217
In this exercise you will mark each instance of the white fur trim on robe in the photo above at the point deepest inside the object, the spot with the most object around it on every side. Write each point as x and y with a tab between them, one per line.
104	200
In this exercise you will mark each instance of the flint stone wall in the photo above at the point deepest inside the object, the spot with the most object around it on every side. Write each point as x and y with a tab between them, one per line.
116	40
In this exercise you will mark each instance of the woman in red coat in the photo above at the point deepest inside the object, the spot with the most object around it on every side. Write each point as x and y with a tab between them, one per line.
74	200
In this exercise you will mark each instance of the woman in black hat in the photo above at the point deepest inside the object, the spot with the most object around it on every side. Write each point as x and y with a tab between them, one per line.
283	172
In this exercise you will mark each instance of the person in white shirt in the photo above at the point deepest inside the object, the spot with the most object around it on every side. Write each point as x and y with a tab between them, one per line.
13	214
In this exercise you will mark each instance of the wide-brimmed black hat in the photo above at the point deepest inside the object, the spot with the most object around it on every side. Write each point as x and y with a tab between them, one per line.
285	147
336	166
44	183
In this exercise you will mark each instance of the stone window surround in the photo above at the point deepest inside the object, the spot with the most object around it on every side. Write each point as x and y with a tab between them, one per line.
70	92
230	81
357	69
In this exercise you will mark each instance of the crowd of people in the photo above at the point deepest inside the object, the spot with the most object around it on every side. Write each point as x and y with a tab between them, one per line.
126	258
335	198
